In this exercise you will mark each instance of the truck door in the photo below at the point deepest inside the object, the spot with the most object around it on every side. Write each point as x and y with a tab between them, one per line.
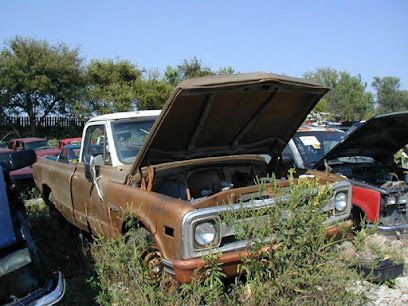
90	212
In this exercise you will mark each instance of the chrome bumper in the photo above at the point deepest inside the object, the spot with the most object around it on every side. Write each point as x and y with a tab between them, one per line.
49	295
391	231
54	296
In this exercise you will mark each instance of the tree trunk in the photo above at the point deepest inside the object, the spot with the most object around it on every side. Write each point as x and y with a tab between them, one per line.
33	125
31	115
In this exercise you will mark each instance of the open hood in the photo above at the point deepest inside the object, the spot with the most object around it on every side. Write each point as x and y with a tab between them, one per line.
379	138
229	114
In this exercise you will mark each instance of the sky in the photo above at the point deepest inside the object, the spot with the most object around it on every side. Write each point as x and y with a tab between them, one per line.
366	37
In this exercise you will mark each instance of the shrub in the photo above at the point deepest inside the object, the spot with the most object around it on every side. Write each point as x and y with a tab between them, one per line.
290	260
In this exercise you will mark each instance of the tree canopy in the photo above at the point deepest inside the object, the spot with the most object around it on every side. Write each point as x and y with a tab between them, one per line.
39	78
152	91
191	68
389	96
348	98
110	86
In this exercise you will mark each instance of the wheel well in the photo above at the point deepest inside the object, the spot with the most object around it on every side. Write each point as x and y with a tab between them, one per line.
357	215
131	222
46	193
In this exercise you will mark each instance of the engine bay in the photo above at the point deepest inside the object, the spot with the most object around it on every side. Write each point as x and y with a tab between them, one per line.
190	182
382	176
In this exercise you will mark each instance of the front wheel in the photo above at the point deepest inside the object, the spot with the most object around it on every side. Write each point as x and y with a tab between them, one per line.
151	258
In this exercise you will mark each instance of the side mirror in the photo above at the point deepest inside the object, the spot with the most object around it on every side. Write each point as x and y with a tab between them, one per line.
90	173
89	164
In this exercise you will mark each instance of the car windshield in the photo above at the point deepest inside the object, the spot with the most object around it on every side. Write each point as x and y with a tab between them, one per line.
313	145
129	137
38	145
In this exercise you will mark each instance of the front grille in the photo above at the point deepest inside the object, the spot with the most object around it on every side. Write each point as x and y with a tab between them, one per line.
227	240
254	206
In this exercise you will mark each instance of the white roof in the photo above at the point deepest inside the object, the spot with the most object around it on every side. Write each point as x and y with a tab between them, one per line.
127	115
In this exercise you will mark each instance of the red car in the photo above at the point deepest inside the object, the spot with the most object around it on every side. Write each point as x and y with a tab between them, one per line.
366	158
41	146
69	141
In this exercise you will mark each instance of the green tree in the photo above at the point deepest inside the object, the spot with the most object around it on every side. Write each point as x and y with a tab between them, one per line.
111	86
351	100
152	91
226	70
191	68
39	78
347	99
389	96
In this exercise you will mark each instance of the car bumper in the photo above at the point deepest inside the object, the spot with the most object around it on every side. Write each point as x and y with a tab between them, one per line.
391	231
49	295
184	270
55	295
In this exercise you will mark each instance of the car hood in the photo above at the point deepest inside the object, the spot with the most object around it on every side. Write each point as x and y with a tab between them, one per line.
46	152
379	138
227	115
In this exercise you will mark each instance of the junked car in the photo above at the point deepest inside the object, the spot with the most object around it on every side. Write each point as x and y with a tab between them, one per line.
173	172
24	276
366	157
70	153
41	146
69	141
310	144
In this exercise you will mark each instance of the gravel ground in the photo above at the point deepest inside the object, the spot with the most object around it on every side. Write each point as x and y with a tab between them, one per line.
393	292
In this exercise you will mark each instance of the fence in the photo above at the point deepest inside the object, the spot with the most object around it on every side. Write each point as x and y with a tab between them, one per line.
51	127
23	121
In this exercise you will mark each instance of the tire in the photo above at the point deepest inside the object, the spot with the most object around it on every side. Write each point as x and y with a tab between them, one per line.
142	239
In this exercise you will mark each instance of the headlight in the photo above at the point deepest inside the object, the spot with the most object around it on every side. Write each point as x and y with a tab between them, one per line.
205	233
340	201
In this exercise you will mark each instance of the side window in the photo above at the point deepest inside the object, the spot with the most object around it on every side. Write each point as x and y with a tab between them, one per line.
63	155
19	146
96	144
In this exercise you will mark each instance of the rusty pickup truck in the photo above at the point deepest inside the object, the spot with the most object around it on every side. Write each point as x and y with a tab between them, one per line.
173	171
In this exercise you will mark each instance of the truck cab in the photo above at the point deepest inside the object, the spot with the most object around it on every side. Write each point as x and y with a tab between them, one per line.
115	139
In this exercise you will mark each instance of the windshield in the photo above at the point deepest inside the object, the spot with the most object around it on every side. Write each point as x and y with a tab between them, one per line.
313	145
129	137
38	145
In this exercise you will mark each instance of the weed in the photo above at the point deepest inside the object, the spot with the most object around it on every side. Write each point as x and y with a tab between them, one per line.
64	252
